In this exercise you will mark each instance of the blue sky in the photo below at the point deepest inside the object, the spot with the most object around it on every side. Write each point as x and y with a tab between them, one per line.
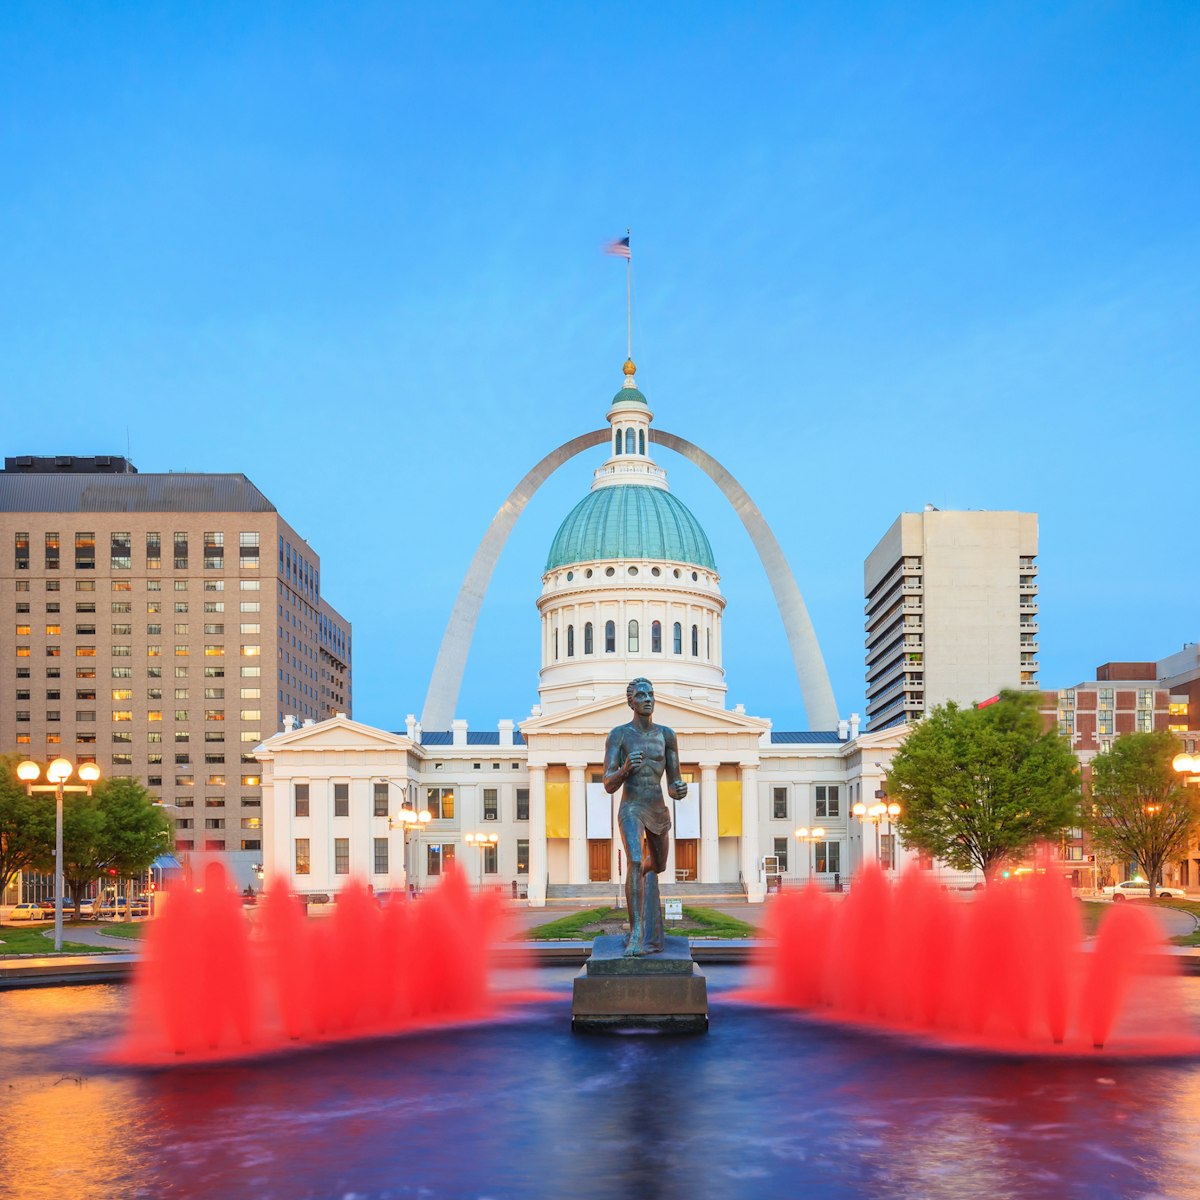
885	255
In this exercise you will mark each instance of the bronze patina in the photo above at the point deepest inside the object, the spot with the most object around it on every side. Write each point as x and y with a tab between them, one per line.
636	756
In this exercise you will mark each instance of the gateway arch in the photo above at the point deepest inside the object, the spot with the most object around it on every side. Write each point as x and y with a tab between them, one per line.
451	662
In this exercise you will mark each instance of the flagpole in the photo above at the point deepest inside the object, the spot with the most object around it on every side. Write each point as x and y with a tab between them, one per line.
629	302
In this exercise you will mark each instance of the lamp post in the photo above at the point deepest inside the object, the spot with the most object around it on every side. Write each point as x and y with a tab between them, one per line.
875	814
483	841
410	819
802	835
58	772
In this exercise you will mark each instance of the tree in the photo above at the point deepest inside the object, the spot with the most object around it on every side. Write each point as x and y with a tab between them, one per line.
26	824
981	785
1141	811
116	832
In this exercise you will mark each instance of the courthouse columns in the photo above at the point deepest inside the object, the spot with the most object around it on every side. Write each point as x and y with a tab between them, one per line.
755	885
537	836
577	847
709	867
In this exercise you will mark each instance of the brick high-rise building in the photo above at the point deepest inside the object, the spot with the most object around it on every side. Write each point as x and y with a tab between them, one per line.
162	626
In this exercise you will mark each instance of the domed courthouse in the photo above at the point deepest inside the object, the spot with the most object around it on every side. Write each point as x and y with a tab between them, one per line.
630	587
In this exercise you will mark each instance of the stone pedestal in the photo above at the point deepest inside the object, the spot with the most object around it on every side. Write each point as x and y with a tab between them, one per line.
665	991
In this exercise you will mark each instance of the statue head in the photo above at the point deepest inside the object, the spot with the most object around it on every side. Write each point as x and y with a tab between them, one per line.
639	695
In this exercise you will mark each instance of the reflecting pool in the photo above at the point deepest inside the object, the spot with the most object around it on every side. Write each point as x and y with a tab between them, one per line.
763	1105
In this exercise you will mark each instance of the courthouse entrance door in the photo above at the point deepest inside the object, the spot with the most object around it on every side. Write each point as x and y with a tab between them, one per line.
599	860
686	858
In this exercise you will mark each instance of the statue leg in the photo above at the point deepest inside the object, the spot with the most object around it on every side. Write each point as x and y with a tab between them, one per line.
635	884
652	919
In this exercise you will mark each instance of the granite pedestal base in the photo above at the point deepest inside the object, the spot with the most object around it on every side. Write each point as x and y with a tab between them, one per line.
664	991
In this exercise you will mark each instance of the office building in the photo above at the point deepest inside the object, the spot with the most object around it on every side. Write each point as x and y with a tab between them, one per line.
951	611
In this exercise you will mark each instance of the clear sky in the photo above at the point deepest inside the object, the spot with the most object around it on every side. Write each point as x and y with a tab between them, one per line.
885	255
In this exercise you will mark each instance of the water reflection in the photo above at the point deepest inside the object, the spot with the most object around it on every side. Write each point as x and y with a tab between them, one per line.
762	1105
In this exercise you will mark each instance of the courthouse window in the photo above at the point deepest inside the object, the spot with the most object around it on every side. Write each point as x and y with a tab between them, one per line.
341	799
300	793
85	551
302	860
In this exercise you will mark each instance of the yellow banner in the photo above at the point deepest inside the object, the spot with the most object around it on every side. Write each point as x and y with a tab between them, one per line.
558	810
729	808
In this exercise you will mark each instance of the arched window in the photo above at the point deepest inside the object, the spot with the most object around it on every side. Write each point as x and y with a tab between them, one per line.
587	638
641	441
678	638
633	637
629	441
708	644
656	638
695	641
570	641
617	442
610	637
556	645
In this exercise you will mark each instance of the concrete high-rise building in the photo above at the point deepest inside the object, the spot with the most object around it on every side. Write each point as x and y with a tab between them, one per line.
162	626
951	611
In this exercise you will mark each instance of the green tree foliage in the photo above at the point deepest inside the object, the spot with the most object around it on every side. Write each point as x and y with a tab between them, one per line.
26	824
1140	809
115	833
982	785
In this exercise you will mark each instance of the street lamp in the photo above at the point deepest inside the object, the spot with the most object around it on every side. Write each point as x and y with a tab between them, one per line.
810	836
875	814
58	772
410	819
483	841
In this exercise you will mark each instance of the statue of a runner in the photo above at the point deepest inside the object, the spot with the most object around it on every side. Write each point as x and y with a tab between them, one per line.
636	755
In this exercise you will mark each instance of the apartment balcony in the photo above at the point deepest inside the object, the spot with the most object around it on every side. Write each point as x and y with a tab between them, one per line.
1028	627
1029	606
1028	587
912	587
1029	647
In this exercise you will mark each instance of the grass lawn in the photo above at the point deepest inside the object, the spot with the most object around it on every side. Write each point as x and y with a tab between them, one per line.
1094	910
122	929
697	922
32	940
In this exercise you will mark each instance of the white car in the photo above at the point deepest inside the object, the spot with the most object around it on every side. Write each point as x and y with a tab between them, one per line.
28	912
1139	889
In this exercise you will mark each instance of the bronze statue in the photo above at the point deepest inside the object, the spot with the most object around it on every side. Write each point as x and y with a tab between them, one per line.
636	755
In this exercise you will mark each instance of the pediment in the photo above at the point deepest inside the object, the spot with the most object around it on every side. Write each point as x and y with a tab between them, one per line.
684	716
337	733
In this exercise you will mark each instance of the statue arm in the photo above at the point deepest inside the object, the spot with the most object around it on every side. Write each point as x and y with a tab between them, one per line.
616	768
676	788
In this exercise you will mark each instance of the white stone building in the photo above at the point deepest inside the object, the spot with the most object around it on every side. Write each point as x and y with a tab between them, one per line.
630	588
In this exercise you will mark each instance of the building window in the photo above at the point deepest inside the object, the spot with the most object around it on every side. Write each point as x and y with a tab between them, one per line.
153	551
302	860
53	551
556	645
300	792
491	860
781	853
828	857
491	804
570	641
381	798
248	551
341	799
610	637
22	551
522	856
695	641
440	802
826	800
341	856
887	851
629	441
214	551
779	803
181	551
381	856
587	638
633	637
656	637
85	551
121	551
522	804
437	855
677	637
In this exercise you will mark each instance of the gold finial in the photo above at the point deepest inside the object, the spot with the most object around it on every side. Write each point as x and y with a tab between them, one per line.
629	368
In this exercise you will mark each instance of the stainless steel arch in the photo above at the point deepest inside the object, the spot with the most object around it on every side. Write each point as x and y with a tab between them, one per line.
451	662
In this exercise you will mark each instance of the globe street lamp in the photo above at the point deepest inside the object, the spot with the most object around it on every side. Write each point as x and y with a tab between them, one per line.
58	772
810	836
483	841
409	819
875	814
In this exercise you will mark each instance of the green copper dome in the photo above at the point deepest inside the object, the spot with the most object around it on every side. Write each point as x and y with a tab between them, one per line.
630	521
628	395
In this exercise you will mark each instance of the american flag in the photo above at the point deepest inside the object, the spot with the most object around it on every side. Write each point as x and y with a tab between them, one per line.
620	247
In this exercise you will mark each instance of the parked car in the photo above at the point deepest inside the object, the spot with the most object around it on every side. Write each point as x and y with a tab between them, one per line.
28	912
47	906
1139	889
86	907
110	910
